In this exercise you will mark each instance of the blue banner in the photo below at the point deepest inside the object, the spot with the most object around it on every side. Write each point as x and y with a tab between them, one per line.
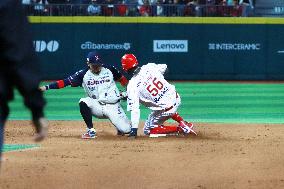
191	51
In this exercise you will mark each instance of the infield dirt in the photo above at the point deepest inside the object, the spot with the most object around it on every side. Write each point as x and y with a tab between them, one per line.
221	156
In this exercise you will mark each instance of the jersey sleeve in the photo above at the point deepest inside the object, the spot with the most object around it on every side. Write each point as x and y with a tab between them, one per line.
133	104
133	97
74	80
162	68
77	78
117	75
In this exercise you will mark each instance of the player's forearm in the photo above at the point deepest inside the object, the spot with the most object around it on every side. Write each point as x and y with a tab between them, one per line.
135	117
123	81
58	84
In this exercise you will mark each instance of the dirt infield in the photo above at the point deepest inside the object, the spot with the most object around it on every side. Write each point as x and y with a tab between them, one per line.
221	156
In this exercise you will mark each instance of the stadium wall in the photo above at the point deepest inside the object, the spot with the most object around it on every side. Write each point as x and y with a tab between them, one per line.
194	48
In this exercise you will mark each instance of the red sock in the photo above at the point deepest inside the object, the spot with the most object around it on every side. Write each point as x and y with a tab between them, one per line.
177	117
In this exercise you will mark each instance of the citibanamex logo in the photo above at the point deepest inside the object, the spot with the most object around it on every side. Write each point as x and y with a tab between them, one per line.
50	46
106	46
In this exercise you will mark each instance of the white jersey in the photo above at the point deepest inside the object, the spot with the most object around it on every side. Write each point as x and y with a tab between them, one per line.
101	86
150	88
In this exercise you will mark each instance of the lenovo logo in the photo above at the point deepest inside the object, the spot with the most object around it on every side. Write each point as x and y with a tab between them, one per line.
170	45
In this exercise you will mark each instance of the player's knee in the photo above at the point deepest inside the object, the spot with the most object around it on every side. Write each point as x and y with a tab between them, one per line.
82	101
87	100
35	102
126	129
4	111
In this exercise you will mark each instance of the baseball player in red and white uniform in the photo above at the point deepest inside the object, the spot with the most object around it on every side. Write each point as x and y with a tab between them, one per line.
149	87
102	95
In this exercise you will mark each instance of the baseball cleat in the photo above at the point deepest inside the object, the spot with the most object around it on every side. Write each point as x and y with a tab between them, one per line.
186	128
90	134
42	127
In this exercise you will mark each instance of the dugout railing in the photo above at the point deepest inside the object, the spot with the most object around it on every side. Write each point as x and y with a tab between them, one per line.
167	10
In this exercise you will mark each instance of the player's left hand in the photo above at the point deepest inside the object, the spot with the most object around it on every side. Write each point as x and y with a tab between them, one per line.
133	133
42	88
123	95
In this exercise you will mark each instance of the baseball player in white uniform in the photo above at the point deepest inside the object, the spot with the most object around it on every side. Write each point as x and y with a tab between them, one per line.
149	87
102	95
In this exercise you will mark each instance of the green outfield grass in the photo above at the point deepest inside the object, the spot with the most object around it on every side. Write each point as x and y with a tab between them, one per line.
214	102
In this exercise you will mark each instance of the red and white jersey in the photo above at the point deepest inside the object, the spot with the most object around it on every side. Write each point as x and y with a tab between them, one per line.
150	88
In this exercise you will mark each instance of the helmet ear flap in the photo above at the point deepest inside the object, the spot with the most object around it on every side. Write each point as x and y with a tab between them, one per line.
128	61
